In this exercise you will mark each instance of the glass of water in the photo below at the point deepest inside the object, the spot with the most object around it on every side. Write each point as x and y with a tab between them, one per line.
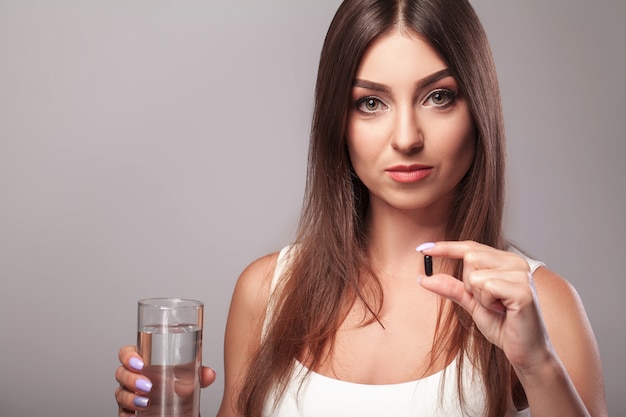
169	339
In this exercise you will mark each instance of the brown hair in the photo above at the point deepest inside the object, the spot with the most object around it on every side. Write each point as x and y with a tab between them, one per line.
326	275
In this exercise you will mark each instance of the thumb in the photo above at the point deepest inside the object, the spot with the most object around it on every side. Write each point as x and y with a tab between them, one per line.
449	287
207	376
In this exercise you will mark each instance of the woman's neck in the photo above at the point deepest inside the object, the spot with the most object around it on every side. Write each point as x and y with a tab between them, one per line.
393	235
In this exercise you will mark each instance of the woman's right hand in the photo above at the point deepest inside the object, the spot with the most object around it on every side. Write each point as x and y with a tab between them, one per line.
131	394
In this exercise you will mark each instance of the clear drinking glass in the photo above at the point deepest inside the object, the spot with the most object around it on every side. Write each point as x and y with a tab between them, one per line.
169	339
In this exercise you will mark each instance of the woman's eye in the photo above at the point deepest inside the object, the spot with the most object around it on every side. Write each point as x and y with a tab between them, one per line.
370	105
440	98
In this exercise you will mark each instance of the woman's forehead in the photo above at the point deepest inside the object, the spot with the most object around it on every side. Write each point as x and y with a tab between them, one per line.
399	54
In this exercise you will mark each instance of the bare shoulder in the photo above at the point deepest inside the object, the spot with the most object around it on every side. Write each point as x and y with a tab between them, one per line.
252	289
562	309
258	273
571	336
554	291
559	301
244	326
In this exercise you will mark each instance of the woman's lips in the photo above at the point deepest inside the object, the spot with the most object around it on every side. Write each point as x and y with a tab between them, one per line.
408	173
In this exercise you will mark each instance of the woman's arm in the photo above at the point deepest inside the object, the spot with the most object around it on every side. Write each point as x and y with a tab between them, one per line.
574	371
538	321
243	328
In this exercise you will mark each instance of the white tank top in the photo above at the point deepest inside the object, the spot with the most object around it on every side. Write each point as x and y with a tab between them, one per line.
322	396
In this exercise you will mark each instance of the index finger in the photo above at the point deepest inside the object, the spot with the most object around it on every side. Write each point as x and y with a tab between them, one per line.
451	249
129	357
474	255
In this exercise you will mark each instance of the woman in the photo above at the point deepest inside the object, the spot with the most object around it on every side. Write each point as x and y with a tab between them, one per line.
406	148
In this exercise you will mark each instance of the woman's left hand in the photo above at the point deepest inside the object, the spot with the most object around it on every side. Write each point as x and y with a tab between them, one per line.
497	289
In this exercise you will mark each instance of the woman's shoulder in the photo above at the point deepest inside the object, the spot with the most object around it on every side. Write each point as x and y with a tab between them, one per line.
249	302
565	318
562	309
571	336
248	307
255	284
255	280
554	291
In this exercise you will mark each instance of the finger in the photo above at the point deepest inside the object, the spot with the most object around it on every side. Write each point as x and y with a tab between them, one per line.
496	289
475	280
207	376
514	295
130	358
128	401
122	412
450	288
488	299
477	256
454	249
132	381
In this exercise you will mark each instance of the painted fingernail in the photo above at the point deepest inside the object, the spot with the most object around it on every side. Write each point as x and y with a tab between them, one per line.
143	385
424	246
136	364
140	402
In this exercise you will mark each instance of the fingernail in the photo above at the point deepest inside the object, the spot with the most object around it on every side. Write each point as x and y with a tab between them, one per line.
140	402
424	246
419	279
136	364
143	385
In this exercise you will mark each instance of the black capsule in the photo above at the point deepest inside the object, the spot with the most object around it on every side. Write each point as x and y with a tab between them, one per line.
428	265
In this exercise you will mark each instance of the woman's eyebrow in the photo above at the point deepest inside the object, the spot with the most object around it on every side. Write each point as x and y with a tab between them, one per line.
424	82
370	85
433	78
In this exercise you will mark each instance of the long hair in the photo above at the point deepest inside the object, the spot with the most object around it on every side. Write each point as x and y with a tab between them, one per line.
325	275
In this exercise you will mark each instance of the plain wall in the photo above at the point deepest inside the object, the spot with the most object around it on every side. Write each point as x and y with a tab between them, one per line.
155	148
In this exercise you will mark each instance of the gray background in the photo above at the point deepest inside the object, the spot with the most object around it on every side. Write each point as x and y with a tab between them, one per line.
155	148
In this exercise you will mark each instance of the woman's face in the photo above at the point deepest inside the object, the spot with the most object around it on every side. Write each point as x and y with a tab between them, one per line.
410	134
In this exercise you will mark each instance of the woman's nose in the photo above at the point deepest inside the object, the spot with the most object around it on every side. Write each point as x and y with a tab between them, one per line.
407	136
